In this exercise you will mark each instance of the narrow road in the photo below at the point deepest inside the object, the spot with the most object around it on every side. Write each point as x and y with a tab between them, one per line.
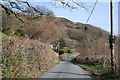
67	70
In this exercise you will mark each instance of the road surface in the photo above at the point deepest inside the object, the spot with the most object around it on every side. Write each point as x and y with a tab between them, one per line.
67	70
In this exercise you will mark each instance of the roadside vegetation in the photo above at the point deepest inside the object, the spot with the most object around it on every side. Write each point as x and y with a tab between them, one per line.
28	33
25	58
50	68
99	71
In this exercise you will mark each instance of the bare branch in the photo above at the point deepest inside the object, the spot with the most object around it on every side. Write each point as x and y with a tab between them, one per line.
7	10
80	5
67	4
16	6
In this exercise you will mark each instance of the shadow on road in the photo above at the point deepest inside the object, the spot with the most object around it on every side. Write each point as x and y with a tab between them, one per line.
71	73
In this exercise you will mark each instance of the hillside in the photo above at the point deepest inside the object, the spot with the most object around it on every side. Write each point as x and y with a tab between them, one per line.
41	29
92	42
25	46
25	58
32	38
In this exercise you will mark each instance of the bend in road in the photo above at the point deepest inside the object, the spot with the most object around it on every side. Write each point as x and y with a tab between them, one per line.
67	70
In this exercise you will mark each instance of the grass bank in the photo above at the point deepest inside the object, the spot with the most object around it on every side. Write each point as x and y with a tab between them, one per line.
50	68
25	58
98	70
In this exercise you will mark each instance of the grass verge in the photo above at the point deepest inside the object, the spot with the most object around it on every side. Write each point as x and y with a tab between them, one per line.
99	71
50	68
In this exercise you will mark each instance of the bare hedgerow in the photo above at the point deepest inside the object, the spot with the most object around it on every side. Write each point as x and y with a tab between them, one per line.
43	30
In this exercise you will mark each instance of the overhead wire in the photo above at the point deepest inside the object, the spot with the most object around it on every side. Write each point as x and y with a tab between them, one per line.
91	13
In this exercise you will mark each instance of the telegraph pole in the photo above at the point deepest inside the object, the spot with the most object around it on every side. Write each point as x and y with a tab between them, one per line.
58	46
74	46
112	36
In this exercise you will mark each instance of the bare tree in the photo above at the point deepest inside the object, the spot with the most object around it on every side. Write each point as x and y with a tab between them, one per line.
45	10
72	4
42	9
11	8
44	30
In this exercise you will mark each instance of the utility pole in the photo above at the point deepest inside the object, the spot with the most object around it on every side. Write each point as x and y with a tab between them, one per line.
58	46
74	46
112	36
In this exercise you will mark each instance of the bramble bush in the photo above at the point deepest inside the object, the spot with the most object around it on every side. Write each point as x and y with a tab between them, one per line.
20	32
70	51
61	52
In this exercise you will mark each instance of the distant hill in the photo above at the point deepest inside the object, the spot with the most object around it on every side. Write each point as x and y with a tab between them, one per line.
90	41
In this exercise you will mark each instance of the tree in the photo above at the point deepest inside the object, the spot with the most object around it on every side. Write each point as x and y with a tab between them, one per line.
44	30
45	10
75	5
11	7
62	43
42	9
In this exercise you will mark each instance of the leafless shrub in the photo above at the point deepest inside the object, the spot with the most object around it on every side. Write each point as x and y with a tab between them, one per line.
45	31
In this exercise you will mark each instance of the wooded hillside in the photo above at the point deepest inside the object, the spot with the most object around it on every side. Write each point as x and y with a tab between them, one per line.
26	45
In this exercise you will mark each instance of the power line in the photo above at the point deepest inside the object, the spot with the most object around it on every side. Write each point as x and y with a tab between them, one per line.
91	11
